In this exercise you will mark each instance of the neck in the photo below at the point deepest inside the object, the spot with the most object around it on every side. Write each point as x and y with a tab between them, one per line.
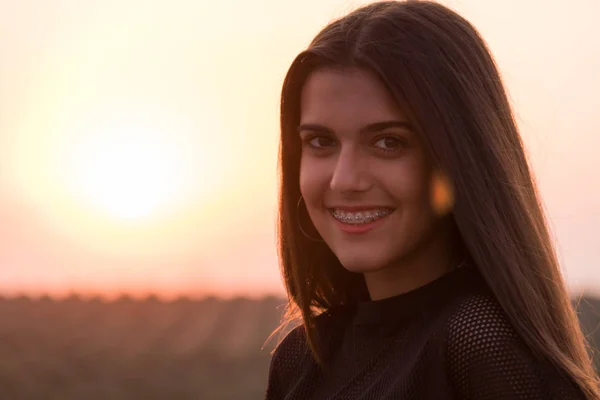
430	261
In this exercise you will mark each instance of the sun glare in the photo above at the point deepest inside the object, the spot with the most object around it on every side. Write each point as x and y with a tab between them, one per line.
128	168
129	177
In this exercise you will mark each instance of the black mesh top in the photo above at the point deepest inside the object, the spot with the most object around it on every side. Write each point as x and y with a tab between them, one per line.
448	339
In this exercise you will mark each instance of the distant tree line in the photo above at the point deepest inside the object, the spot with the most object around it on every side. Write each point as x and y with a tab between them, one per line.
79	348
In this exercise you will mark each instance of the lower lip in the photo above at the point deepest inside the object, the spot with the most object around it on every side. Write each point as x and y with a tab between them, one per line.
362	228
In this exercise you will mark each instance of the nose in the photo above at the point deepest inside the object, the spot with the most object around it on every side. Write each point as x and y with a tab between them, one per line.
350	174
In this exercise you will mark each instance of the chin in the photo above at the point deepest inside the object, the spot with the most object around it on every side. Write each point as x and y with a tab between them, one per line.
362	264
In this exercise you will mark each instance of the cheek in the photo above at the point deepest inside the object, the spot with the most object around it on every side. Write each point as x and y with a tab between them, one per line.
409	184
419	197
314	180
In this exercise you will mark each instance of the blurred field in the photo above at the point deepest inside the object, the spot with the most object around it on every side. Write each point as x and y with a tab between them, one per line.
146	349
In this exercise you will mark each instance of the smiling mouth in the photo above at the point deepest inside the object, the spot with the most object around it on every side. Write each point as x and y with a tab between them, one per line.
360	217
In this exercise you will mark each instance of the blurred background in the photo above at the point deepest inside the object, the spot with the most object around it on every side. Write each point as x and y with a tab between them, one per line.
138	145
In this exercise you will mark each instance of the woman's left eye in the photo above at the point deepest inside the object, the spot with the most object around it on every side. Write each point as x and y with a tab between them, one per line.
389	143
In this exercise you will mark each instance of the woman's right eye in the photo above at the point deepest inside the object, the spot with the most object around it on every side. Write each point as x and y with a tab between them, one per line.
320	142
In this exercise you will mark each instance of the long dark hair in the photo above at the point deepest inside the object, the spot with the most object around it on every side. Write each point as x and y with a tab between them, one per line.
442	74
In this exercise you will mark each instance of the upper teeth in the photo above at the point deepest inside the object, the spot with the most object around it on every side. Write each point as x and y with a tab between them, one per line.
360	217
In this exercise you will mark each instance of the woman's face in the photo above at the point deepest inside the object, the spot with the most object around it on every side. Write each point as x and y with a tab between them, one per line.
364	175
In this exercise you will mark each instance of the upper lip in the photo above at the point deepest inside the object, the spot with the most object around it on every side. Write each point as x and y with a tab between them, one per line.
360	208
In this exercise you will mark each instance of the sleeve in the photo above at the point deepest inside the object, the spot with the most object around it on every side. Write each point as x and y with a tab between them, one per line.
284	362
274	390
487	359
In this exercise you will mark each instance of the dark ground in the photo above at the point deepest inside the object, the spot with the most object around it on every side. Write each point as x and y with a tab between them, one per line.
148	349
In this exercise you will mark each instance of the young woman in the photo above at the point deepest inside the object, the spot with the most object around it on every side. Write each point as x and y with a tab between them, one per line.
412	240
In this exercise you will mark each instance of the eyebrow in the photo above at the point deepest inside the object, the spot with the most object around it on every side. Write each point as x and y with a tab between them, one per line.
374	127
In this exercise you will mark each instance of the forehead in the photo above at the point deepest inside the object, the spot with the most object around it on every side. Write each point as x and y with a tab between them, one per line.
346	99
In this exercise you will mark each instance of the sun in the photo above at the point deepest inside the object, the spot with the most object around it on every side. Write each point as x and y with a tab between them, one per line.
129	178
128	169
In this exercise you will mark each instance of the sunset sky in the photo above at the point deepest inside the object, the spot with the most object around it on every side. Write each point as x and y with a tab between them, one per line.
138	139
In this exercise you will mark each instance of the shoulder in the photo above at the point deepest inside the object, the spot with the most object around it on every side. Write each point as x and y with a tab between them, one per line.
293	344
487	359
284	361
293	355
478	320
478	334
294	348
